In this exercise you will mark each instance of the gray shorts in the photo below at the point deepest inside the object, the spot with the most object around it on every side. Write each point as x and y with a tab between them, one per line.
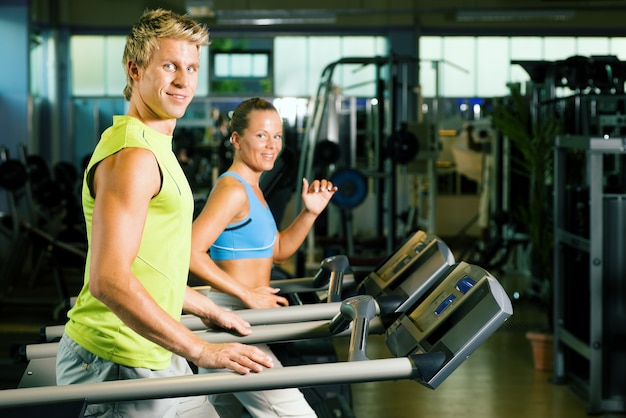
77	365
276	403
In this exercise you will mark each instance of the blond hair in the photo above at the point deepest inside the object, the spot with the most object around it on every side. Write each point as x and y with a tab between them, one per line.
142	41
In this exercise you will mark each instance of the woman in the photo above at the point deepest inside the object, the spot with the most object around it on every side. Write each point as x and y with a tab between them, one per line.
235	241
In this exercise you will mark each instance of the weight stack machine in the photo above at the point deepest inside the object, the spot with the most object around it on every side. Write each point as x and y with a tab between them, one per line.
589	291
589	185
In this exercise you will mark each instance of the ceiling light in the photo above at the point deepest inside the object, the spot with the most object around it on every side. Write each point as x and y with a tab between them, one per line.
274	17
200	8
513	15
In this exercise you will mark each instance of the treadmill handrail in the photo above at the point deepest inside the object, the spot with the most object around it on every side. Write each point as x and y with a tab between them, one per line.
265	316
260	334
215	383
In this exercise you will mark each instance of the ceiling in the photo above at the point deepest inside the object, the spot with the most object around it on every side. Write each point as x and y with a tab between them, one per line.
441	17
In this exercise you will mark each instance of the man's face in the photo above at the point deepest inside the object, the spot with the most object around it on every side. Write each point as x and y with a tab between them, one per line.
168	83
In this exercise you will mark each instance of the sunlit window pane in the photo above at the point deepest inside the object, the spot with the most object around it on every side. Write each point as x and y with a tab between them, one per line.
617	47
526	48
458	71
87	61
203	74
222	65
322	51
492	66
240	65
291	67
430	54
260	64
557	48
300	61
592	46
114	69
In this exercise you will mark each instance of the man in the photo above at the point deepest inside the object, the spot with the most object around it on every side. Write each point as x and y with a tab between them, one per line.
138	209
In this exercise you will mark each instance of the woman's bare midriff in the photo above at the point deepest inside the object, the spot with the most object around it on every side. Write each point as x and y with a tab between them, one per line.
251	272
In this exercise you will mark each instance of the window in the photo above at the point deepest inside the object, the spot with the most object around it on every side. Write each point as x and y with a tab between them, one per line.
96	66
248	65
241	72
481	66
300	61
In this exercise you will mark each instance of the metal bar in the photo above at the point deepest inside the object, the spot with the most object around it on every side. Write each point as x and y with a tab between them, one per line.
573	240
268	316
575	344
286	332
305	284
227	382
596	278
260	334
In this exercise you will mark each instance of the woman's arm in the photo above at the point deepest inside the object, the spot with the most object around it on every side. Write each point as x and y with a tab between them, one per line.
227	204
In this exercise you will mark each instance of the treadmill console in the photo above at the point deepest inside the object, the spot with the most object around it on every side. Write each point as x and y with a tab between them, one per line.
455	318
408	273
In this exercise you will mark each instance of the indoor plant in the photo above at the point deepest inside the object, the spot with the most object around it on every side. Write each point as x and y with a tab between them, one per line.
532	135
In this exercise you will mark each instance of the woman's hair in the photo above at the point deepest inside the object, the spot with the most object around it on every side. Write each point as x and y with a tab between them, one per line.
142	41
240	118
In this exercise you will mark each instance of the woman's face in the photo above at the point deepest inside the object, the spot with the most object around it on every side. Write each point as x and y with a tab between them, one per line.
259	145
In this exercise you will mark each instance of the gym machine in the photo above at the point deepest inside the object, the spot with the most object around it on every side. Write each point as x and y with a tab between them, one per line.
430	341
330	140
589	188
419	264
332	276
468	302
31	231
401	280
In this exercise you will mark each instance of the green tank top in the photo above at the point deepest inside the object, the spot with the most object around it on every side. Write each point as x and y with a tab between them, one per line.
162	264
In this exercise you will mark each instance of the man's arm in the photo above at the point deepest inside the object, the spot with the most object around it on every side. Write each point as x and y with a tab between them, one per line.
124	184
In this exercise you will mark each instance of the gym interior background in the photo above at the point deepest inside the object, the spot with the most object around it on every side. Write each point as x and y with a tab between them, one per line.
378	96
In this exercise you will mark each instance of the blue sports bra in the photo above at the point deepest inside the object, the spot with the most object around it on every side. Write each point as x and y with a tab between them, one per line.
253	237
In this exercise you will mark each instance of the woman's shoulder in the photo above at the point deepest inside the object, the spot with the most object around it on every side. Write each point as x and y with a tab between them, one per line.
230	179
230	188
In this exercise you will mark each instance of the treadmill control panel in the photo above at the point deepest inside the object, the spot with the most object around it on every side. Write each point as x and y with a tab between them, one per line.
455	317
